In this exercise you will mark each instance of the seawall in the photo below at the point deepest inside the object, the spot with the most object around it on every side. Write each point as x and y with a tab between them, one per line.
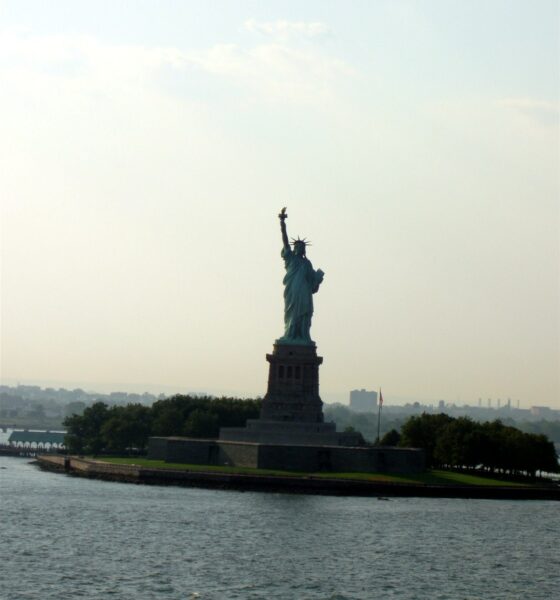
83	467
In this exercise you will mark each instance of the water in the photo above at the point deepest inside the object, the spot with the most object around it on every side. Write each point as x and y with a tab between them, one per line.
66	538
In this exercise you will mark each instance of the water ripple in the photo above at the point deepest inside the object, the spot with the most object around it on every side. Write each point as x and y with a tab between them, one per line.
67	538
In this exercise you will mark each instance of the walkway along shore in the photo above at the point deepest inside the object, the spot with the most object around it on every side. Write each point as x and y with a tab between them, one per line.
95	469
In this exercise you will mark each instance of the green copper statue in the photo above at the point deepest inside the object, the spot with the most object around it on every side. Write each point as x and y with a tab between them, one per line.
300	283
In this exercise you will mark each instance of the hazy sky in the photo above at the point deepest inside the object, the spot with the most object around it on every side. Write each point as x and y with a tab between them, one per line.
147	147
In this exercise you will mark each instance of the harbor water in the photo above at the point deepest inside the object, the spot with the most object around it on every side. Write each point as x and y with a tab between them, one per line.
65	538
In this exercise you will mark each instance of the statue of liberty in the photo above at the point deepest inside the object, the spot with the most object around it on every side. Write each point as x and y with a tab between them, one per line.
300	283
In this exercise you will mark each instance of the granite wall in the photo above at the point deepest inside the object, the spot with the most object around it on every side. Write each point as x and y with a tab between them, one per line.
287	457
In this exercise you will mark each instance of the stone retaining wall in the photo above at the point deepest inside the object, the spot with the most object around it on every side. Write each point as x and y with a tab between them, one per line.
287	457
287	484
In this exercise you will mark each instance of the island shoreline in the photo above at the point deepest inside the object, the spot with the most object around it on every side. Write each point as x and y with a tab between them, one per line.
305	484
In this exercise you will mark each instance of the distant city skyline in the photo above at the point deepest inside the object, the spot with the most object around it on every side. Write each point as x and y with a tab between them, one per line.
147	149
328	398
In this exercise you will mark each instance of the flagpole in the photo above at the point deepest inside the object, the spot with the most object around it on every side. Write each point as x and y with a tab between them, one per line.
380	404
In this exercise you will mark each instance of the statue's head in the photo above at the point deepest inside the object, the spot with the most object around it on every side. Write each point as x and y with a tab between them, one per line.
299	246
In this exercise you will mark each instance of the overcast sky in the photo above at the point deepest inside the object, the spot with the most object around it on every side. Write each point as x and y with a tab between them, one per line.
146	149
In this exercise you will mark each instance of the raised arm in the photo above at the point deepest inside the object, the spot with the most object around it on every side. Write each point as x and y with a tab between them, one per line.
283	216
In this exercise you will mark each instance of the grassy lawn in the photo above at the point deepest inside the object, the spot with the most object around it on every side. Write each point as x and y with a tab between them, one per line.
432	477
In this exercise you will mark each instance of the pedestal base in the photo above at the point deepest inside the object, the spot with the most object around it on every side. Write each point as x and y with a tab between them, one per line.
290	433
292	411
293	385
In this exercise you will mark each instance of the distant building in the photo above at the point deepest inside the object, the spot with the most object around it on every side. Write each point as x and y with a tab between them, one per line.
37	439
363	400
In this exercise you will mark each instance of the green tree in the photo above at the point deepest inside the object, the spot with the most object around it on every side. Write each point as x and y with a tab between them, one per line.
457	444
127	428
202	423
84	432
423	432
391	438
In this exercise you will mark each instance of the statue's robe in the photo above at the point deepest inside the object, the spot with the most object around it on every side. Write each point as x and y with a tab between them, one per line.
300	283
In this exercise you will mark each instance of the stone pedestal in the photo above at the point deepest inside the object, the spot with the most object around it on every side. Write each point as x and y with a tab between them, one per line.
292	411
293	385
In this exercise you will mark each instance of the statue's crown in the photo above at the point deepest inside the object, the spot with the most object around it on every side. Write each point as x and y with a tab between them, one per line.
300	241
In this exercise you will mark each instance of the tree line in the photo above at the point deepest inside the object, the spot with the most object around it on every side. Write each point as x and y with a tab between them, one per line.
461	443
366	422
121	429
